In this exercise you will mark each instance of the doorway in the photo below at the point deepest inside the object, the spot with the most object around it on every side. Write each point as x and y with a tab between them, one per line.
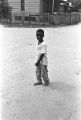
48	6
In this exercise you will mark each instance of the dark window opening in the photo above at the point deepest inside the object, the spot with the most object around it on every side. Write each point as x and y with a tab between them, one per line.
32	18
26	18
22	5
18	18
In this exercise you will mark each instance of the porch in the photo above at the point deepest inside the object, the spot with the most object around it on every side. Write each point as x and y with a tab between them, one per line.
48	6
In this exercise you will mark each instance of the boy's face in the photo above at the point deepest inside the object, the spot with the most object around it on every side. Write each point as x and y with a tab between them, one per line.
39	36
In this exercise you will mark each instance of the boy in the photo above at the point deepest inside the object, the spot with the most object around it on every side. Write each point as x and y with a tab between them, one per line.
41	63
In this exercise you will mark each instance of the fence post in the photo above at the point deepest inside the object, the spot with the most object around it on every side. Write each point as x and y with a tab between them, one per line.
22	18
29	19
70	19
79	16
48	19
13	18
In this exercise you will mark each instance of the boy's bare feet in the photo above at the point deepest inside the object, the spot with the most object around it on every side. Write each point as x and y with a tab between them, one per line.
46	83
37	83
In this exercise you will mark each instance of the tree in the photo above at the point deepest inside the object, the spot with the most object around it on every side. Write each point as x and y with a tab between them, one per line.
76	5
5	10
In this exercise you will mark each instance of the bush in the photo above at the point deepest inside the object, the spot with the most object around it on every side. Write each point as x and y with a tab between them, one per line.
5	10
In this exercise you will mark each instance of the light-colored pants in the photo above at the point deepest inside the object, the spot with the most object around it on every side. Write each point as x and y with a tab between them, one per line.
42	73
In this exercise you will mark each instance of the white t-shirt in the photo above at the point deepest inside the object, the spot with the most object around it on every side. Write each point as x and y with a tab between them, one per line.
42	48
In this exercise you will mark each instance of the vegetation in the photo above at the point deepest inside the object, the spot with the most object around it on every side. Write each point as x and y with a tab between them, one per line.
76	5
5	10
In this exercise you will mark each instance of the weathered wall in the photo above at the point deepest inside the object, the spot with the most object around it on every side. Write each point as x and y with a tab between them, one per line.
31	6
42	6
16	5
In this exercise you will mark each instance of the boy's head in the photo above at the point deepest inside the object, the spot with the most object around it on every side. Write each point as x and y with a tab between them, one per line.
40	34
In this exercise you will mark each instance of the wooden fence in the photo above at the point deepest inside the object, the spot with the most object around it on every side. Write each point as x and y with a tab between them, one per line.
65	18
44	19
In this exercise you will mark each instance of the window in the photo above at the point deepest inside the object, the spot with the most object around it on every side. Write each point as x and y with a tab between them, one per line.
17	17
22	5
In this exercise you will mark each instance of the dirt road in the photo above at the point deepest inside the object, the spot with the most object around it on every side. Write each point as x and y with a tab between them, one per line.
61	100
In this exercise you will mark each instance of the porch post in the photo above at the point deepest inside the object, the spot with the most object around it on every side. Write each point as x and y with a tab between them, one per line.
53	7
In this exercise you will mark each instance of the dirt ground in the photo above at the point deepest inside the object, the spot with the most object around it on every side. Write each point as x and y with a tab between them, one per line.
20	99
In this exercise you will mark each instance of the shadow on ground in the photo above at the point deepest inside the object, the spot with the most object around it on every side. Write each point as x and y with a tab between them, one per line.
15	25
61	86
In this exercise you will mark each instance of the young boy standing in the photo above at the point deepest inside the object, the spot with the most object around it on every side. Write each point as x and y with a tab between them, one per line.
41	63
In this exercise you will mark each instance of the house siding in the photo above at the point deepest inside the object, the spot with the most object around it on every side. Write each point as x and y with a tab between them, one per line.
41	6
15	5
31	6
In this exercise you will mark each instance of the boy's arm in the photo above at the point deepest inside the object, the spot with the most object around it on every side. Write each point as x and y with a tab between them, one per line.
39	59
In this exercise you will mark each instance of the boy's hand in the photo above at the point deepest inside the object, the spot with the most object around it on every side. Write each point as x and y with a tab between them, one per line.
39	59
37	64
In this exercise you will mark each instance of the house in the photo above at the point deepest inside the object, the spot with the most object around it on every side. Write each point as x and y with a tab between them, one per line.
21	9
31	6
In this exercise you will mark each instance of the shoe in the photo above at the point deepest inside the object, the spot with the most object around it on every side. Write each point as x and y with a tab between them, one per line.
46	83
37	83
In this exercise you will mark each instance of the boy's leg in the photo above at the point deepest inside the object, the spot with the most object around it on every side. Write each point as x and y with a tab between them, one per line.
44	73
38	75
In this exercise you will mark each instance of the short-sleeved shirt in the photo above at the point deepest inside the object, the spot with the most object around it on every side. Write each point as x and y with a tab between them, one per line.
42	49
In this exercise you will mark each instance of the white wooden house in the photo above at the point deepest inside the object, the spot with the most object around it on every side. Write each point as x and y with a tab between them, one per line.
31	6
23	8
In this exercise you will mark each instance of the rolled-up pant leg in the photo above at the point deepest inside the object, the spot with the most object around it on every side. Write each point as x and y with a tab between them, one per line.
38	73
44	73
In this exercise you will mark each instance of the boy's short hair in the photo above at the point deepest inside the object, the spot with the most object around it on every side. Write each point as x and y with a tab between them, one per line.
41	31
